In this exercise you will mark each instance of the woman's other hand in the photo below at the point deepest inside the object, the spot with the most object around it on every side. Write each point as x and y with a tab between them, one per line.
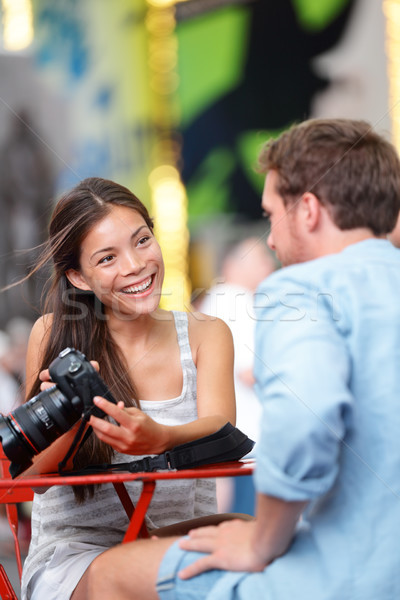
136	432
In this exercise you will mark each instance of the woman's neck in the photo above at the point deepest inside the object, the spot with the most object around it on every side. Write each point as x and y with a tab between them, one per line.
139	330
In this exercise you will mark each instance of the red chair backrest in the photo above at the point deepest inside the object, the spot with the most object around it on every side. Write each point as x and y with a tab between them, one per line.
10	497
12	494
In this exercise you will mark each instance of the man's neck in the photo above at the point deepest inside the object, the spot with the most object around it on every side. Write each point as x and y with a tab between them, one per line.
338	239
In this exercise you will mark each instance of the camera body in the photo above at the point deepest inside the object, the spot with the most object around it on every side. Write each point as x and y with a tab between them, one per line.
79	381
32	427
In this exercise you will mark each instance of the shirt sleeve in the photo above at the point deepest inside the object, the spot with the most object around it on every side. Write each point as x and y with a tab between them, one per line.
302	369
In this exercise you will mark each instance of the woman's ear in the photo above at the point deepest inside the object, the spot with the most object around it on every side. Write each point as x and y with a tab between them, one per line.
75	277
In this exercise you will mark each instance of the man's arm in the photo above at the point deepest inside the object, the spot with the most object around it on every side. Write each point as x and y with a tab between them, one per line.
276	524
245	545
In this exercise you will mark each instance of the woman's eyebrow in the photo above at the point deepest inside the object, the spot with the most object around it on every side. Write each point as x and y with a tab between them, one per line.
109	248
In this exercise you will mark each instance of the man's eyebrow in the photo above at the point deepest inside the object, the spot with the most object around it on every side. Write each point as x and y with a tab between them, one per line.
109	248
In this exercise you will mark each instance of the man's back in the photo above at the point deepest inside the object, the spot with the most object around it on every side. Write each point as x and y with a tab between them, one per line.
331	424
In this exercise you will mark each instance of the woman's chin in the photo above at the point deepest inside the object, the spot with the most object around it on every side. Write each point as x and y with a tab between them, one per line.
131	307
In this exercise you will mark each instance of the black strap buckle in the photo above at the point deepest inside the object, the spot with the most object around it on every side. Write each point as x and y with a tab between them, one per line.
150	463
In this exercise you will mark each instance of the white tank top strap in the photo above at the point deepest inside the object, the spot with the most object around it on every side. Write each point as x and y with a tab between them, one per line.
182	330
189	370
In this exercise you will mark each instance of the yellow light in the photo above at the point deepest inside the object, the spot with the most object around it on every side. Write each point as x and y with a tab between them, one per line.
169	200
176	292
169	205
17	24
161	3
160	22
163	173
391	9
164	3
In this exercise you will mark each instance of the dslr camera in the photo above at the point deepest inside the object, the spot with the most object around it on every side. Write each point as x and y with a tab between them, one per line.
33	426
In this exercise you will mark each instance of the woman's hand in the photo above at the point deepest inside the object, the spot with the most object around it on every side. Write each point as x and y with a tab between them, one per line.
45	378
136	434
47	383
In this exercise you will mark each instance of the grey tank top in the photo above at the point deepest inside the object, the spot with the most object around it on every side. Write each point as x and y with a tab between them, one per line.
101	520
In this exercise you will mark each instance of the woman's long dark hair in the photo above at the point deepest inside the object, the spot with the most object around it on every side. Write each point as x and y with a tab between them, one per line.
78	319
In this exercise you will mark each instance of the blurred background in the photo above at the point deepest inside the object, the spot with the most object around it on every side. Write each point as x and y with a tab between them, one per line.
172	98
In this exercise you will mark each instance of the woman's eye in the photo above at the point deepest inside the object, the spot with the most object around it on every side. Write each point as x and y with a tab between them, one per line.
143	240
106	259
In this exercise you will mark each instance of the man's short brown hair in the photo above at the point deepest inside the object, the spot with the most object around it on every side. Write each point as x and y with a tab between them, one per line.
353	171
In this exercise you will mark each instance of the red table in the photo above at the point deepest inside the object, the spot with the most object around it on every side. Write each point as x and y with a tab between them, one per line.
136	513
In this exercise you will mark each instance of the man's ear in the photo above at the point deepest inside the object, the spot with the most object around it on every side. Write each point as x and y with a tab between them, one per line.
311	208
75	277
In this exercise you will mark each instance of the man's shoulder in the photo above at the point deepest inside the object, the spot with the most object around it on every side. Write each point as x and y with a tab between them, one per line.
307	274
335	269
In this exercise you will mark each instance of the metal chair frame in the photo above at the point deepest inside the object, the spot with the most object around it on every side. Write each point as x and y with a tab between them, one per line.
10	497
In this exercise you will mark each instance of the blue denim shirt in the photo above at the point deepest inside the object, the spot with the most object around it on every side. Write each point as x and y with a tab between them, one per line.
328	377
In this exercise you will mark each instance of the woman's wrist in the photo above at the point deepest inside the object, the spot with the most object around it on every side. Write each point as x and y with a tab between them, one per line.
166	437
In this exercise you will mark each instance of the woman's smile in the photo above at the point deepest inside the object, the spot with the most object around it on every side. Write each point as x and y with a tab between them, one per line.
121	261
135	289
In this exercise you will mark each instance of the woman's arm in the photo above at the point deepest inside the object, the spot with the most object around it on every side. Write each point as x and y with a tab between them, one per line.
212	350
35	350
46	461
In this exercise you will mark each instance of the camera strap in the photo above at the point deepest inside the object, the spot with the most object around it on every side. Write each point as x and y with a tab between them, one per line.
77	440
226	444
85	394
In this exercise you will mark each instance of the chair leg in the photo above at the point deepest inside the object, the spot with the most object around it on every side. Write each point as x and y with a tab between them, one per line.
12	516
6	589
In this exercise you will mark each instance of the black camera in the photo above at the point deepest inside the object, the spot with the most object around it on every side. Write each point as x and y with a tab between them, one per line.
33	426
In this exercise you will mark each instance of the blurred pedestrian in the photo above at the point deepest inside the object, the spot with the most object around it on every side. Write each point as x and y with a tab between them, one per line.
244	265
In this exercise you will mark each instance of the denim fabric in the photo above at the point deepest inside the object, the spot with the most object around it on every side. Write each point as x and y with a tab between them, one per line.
170	586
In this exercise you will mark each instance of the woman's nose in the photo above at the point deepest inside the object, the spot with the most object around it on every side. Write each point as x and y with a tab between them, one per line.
132	262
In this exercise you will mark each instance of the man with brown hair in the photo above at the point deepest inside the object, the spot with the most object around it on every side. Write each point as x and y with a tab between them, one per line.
327	371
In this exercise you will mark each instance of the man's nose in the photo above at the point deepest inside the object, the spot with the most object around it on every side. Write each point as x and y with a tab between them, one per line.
270	242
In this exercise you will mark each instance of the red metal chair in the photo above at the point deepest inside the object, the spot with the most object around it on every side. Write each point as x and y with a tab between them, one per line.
10	497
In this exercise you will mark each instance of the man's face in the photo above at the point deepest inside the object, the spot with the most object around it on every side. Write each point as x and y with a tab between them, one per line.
284	238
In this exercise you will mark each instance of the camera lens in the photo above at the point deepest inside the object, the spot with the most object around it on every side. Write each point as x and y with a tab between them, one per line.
15	447
33	426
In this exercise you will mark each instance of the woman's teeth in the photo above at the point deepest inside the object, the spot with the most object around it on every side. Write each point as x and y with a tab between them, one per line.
136	289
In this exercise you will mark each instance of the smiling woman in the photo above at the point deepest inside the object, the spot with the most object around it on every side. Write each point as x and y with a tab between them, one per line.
161	366
129	268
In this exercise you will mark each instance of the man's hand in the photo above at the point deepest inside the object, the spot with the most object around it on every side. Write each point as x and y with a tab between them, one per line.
229	546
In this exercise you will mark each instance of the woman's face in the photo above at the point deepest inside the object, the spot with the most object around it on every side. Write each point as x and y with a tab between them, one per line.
121	262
